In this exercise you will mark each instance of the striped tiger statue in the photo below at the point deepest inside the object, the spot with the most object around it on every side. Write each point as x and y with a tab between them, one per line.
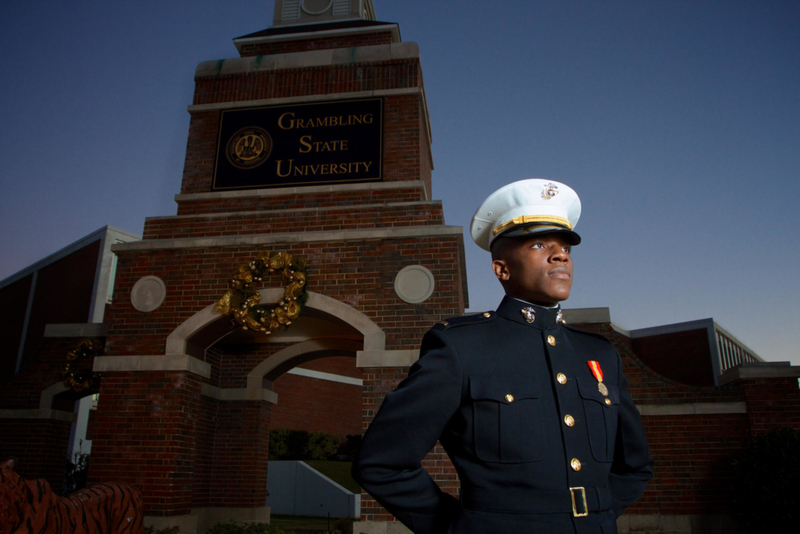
30	506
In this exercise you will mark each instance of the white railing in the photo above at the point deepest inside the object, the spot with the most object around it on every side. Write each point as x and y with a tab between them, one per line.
731	351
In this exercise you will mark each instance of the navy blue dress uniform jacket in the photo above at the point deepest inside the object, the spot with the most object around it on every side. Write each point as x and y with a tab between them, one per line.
518	410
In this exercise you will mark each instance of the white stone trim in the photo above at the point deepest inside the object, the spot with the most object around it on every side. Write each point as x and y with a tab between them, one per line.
292	237
46	398
307	190
374	338
39	413
354	207
168	362
393	28
753	370
308	59
76	330
386	358
693	408
219	106
148	293
255	377
330	377
242	394
414	284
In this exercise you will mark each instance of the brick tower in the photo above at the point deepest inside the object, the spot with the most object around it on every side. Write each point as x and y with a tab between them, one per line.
315	142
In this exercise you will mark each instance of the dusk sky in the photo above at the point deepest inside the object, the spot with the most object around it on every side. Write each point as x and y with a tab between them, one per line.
677	123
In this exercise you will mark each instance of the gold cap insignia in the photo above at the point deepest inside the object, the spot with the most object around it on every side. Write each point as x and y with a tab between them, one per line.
550	190
529	314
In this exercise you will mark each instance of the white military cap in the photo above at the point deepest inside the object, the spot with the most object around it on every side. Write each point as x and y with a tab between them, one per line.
527	207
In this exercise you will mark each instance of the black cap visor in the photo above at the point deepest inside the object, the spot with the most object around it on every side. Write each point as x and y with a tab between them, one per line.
531	229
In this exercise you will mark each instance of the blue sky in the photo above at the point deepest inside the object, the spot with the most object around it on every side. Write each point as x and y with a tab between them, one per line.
677	122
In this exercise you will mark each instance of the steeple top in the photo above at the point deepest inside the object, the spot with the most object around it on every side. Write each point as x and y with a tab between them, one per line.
295	12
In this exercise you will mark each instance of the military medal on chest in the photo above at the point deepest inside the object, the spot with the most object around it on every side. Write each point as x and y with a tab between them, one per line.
598	374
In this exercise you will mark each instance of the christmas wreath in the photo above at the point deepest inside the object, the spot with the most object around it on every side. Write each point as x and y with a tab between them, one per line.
75	379
241	300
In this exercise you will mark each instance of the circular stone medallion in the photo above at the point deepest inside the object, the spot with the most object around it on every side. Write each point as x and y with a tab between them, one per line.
148	293
414	284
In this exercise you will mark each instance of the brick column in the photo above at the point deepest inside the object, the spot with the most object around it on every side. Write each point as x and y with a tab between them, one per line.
241	455
144	433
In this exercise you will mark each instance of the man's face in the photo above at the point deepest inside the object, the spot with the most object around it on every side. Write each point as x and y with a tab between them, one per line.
536	269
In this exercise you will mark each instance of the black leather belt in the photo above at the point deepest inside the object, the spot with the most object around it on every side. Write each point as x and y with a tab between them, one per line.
577	501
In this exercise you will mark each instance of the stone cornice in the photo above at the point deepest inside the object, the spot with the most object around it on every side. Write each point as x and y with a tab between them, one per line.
307	59
39	413
355	207
197	108
169	362
306	190
294	237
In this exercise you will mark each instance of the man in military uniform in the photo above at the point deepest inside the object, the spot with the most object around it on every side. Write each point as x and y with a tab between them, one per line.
534	414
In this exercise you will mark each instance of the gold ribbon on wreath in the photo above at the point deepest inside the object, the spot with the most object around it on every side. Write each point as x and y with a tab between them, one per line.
241	299
82	381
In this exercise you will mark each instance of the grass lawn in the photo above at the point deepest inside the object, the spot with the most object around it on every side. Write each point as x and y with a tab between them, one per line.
339	472
297	523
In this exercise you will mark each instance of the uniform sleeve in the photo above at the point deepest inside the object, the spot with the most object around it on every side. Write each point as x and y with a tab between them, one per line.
633	465
405	429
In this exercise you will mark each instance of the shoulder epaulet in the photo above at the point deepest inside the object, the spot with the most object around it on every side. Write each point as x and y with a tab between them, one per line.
473	318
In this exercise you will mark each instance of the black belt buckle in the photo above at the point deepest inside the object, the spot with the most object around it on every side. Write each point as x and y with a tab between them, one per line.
579	503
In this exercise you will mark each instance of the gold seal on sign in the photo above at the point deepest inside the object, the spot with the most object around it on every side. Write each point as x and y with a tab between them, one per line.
249	147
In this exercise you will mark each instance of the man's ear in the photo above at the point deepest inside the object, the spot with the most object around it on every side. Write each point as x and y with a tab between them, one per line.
500	268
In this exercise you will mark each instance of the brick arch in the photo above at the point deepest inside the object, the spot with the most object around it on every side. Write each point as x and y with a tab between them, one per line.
374	337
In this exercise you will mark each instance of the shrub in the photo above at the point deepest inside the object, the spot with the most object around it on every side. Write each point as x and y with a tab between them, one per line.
302	445
767	491
322	446
75	472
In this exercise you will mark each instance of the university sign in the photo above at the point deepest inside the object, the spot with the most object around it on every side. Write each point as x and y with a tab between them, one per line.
302	144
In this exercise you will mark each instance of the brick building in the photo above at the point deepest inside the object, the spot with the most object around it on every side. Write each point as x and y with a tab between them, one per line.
316	142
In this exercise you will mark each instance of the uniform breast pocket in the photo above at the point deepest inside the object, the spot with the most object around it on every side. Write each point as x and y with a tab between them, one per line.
507	418
601	417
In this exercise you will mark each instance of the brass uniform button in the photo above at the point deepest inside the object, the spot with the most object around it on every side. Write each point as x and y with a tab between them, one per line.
569	420
608	401
487	314
562	378
575	464
551	340
509	398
